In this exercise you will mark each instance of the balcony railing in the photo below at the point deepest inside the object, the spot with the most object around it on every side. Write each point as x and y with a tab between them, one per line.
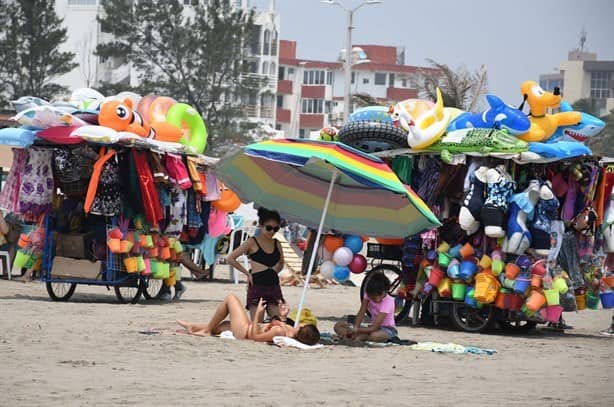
257	111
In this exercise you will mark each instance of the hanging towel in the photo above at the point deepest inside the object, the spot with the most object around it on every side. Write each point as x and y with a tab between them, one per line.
151	201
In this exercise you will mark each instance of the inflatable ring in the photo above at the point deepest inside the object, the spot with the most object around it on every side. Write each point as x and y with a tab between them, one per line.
228	202
181	113
372	136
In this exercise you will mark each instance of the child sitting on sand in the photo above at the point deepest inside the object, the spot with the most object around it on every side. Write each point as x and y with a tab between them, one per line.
381	307
242	328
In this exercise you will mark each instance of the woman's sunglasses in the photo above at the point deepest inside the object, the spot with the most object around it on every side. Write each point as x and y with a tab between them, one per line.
273	228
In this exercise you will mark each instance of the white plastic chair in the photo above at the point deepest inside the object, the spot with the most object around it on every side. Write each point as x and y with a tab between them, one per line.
237	225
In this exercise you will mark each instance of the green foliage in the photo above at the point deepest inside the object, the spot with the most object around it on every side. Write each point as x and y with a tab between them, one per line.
31	34
198	58
460	88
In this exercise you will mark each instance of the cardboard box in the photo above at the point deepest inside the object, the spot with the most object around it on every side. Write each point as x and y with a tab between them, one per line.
75	245
64	267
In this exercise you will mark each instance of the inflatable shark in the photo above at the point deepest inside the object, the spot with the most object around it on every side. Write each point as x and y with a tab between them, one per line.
589	126
500	116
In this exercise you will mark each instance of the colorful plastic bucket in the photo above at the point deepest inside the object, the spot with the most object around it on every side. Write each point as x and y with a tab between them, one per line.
535	301
466	251
131	264
454	269
486	288
592	300
443	259
485	262
435	276
468	269
552	297
607	299
444	288
456	251
536	280
21	259
443	247
560	284
511	271
500	299
497	266
469	300
521	285
514	302
458	290
553	313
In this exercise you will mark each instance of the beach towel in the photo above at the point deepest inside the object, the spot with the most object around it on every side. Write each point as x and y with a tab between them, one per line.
451	348
284	341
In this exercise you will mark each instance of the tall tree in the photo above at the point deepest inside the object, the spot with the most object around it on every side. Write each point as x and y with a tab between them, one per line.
199	58
31	34
460	88
603	143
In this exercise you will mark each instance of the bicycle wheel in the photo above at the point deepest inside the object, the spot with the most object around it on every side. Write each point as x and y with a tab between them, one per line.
470	319
154	286
395	276
129	293
60	291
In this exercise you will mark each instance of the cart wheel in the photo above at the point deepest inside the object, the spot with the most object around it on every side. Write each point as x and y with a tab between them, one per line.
470	319
61	291
129	294
395	275
154	286
517	326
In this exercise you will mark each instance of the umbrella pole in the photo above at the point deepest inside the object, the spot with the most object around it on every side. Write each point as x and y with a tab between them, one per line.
315	248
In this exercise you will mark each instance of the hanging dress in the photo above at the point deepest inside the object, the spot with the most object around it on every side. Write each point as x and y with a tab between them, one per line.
37	187
151	200
9	195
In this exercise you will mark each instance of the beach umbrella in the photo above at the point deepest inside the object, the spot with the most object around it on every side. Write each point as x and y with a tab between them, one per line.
328	186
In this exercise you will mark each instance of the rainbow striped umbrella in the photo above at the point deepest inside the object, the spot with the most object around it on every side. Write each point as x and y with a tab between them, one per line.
326	185
293	177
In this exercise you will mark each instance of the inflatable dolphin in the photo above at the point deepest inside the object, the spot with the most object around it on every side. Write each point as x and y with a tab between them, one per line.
499	116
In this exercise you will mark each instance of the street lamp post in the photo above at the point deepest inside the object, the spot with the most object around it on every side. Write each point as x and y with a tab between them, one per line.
348	50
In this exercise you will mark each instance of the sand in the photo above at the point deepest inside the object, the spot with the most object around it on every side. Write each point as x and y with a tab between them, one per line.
89	351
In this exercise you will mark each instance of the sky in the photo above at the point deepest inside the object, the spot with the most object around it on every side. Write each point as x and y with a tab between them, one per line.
517	40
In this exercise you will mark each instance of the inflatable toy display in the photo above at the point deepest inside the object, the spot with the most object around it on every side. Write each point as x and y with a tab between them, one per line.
41	117
182	113
371	113
479	141
543	125
19	137
498	116
329	133
589	126
424	125
27	102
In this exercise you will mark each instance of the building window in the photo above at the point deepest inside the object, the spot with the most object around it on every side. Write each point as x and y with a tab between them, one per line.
312	106
281	73
280	101
404	83
265	68
380	78
600	85
274	43
273	69
314	77
190	2
365	81
329	77
391	80
353	77
301	133
267	43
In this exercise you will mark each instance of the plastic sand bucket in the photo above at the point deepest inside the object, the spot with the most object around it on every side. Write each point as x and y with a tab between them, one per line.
581	301
607	299
560	284
609	281
486	288
514	302
511	271
146	241
164	252
178	246
500	300
536	280
153	252
24	240
535	301
539	268
454	269
469	300
443	288
592	300
125	246
485	262
521	285
468	269
435	276
131	264
552	297
553	313
21	259
466	251
170	281
455	251
114	245
443	247
443	259
458	290
140	263
147	270
508	283
177	272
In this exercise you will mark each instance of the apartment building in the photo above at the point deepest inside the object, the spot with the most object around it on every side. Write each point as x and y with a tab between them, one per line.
584	76
310	93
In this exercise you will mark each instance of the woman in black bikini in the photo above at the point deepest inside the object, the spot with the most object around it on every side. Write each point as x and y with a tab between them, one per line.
267	259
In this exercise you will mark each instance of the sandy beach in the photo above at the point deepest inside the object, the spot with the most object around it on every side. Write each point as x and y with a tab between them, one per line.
89	351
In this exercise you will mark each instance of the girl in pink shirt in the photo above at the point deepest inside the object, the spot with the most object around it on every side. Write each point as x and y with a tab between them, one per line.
381	307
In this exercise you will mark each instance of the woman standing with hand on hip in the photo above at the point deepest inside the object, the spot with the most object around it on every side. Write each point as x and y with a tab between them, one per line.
267	260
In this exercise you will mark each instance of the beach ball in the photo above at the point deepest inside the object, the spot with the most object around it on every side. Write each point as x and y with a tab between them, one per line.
341	273
343	256
326	269
358	264
332	243
353	242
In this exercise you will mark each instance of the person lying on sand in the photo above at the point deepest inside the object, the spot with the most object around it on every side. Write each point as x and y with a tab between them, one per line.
243	328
